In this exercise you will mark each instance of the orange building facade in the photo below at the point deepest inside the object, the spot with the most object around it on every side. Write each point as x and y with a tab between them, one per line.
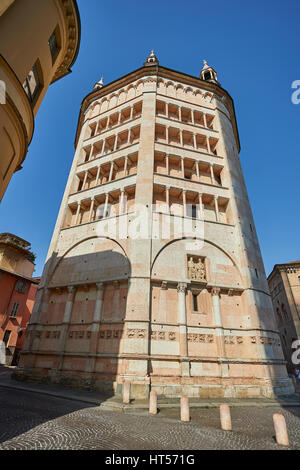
17	293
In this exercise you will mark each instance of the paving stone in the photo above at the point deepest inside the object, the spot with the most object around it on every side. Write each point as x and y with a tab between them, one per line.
36	421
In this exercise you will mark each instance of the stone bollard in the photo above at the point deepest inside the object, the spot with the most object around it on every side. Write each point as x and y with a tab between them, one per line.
225	418
184	409
153	402
126	392
281	433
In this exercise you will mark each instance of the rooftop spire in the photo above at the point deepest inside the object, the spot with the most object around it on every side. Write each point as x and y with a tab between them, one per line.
208	73
151	59
99	84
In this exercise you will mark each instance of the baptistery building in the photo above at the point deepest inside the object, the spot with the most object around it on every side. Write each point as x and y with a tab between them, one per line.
154	274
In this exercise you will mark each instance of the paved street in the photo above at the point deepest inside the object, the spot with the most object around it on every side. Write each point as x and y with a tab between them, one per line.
34	421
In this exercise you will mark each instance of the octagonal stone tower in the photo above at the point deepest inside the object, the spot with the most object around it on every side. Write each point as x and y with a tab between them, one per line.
131	297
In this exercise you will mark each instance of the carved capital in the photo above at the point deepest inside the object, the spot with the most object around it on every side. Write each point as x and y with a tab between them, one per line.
71	289
181	287
100	285
216	291
164	285
46	293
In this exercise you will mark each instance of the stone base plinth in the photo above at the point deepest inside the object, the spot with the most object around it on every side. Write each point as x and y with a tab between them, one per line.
210	387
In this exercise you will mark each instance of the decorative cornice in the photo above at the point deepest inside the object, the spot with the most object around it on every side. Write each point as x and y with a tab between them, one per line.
284	267
16	87
73	27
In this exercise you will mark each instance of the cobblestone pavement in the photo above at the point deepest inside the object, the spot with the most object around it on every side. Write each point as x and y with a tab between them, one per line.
34	421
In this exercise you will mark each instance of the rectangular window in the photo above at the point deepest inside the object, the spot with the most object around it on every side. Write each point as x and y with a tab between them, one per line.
54	44
14	310
6	337
191	210
32	84
195	302
21	287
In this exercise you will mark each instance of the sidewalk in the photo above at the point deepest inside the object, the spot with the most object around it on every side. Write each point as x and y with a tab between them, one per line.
114	403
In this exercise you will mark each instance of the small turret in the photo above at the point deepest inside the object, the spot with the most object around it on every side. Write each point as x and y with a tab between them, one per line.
208	74
152	59
99	84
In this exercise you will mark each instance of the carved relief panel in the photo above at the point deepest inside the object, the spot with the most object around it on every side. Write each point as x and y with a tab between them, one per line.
196	268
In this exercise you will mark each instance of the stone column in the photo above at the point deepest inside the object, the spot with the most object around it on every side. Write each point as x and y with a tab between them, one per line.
91	152
216	208
84	179
182	167
114	146
181	290
99	303
65	324
167	164
32	338
105	206
125	166
211	168
168	198
95	328
201	212
184	202
111	171
195	141
181	138
163	302
91	209
98	175
208	145
215	292
116	300
77	212
192	117
121	206
183	347
197	170
204	120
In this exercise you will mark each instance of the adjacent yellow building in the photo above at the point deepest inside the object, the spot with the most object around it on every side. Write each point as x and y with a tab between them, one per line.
39	42
284	284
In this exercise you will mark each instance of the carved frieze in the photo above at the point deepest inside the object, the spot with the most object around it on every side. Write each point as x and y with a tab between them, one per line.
200	338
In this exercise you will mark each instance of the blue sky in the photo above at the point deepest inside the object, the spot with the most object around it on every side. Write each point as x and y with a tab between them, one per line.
253	45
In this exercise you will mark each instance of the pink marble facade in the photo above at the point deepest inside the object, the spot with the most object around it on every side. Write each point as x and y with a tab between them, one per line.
160	312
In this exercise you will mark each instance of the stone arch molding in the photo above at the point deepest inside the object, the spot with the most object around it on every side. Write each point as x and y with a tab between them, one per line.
94	259
133	90
170	263
112	100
